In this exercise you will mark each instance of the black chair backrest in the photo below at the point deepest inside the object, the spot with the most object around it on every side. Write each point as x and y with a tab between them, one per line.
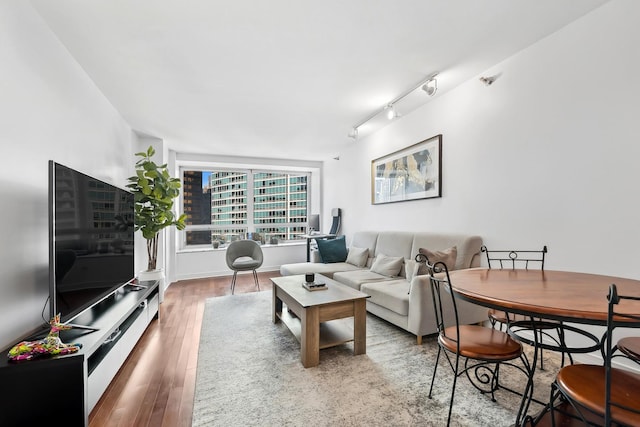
444	300
335	223
520	259
616	317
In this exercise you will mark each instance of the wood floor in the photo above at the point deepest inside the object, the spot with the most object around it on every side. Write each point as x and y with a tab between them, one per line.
155	386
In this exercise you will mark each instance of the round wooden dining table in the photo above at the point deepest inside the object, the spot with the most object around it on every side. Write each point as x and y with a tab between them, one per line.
563	296
559	295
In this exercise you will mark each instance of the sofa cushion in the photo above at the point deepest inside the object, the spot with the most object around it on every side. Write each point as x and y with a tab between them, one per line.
358	256
387	265
468	246
313	267
448	257
393	295
356	278
366	239
332	250
395	243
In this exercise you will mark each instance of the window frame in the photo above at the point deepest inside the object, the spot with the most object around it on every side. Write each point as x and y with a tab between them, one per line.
249	226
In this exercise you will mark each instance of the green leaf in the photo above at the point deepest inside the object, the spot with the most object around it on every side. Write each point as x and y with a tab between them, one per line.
154	192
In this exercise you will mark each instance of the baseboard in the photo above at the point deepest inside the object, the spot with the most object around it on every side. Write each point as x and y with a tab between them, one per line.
223	273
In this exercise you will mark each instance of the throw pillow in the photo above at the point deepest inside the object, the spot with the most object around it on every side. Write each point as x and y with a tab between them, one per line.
332	250
387	265
448	257
358	256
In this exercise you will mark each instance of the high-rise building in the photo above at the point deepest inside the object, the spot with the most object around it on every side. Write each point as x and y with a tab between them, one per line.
279	198
278	203
197	206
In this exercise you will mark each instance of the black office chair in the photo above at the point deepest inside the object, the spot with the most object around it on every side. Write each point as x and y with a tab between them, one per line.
336	222
602	395
483	348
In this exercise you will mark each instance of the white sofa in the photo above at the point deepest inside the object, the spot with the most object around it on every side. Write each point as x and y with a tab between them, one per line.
408	305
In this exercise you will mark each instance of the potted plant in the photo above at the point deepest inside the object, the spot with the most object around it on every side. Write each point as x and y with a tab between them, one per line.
154	191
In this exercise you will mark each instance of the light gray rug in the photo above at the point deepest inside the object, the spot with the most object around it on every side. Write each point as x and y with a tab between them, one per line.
249	373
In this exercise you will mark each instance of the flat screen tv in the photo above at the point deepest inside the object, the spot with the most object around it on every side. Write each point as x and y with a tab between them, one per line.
91	235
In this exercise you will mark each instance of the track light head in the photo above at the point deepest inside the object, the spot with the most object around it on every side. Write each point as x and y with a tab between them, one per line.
488	81
428	84
391	112
430	87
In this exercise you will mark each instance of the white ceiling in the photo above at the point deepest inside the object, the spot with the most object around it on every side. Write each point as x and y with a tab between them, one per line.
285	78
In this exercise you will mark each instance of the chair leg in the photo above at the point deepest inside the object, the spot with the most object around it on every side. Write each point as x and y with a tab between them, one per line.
495	381
255	279
542	355
455	378
453	389
492	322
563	344
435	369
233	282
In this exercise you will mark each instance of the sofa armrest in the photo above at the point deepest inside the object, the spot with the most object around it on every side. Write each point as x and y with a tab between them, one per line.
421	317
315	257
421	314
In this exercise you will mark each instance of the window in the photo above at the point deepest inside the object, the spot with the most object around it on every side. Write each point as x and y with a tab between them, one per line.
228	204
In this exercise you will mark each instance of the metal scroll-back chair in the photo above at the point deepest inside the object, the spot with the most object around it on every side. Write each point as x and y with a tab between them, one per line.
602	395
483	349
549	331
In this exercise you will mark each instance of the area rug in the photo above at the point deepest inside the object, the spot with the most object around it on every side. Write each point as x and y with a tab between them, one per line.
249	373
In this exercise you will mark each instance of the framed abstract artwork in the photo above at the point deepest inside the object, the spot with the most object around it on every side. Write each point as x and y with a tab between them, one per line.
412	173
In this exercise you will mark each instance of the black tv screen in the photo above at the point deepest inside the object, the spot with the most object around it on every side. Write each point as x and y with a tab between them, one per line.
91	234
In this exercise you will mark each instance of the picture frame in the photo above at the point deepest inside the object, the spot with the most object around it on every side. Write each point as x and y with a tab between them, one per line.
412	173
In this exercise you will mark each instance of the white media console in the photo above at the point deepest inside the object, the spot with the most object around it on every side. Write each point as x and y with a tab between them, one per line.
67	388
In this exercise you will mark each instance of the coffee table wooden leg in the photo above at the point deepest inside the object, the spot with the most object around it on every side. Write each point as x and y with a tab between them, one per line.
277	305
359	327
310	337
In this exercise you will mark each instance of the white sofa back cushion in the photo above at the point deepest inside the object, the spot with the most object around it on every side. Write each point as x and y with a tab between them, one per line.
406	244
395	243
366	239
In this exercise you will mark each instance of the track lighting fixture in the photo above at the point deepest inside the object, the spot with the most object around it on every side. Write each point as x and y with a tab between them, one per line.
488	80
391	112
428	85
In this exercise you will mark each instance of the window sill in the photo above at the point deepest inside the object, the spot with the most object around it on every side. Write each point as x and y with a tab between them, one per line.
209	248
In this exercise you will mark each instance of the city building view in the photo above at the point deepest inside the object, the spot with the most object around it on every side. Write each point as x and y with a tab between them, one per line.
222	206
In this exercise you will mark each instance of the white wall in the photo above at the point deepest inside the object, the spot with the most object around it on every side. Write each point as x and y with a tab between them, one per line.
547	155
49	110
211	262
